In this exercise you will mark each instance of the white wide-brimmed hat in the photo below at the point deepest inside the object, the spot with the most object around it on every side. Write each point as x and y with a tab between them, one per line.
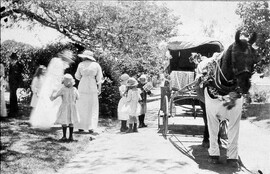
87	54
132	82
68	80
124	77
66	55
143	78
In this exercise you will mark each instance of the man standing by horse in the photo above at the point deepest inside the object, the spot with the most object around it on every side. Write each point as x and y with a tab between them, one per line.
226	80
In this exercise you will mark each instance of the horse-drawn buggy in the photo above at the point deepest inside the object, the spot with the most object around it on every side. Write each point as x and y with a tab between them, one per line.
180	89
221	83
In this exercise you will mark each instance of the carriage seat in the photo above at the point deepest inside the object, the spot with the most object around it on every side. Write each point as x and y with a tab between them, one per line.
179	79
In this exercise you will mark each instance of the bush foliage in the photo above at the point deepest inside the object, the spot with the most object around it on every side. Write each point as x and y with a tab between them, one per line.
124	36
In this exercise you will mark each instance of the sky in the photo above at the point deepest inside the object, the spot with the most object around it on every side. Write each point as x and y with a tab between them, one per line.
193	15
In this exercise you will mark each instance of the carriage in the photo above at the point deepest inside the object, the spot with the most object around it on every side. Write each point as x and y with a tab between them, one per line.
179	90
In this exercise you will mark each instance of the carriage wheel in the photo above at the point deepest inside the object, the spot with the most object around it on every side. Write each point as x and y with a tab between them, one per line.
166	115
159	119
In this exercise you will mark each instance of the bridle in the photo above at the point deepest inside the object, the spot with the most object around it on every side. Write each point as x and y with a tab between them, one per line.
233	86
236	72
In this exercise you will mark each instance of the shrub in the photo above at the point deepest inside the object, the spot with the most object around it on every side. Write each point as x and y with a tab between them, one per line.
260	97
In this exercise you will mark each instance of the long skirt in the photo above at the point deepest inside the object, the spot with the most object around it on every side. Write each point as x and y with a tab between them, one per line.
45	112
122	115
88	108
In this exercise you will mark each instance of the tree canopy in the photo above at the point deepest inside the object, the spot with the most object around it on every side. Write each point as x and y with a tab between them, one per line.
124	30
255	17
124	35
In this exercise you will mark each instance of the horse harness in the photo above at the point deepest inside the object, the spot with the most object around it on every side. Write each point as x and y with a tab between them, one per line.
217	88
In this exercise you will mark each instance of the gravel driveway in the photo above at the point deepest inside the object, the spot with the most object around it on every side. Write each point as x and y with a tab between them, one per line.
148	151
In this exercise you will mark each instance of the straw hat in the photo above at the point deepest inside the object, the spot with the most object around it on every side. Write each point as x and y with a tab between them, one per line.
132	82
66	55
68	80
143	79
87	54
124	77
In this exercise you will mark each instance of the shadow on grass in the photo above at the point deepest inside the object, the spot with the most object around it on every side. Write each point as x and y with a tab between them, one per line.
47	149
11	155
25	149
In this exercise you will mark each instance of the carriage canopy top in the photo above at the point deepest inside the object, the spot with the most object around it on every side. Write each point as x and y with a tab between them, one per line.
186	42
181	47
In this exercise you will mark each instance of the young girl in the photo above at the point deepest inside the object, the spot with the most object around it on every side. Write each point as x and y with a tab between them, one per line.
145	90
67	114
123	116
37	83
133	98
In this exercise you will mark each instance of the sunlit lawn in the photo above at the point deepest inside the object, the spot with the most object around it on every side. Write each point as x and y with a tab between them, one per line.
27	150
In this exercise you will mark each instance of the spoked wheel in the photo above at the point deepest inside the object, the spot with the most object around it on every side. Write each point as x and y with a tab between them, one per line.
166	115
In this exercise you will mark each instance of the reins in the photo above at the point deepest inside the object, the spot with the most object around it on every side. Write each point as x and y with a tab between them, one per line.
217	82
220	70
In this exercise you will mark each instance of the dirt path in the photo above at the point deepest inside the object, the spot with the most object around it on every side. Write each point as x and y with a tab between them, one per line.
149	152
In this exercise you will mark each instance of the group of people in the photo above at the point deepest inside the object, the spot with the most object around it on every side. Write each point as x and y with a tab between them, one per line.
13	83
55	100
132	105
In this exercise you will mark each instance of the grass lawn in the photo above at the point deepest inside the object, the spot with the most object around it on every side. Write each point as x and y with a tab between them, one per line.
26	150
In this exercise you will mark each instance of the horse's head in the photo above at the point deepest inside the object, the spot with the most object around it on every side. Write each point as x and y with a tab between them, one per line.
240	60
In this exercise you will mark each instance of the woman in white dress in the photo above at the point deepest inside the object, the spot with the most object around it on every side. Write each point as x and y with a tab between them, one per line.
89	73
37	84
44	114
3	108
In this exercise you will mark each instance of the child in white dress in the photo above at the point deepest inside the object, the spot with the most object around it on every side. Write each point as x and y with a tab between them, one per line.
67	114
133	105
123	115
37	84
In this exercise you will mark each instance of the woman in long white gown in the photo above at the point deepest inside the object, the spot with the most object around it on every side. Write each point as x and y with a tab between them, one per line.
90	75
44	114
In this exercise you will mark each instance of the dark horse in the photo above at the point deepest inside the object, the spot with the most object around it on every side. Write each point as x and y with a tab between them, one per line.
230	80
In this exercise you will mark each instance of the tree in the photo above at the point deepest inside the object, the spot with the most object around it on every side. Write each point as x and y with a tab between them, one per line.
255	16
29	56
125	29
209	29
124	35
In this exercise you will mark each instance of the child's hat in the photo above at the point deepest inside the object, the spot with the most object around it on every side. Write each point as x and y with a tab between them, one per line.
143	78
132	82
124	77
68	80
